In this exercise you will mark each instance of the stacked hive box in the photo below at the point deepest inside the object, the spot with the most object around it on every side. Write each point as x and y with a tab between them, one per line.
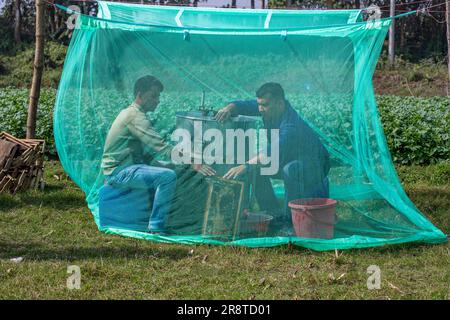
21	163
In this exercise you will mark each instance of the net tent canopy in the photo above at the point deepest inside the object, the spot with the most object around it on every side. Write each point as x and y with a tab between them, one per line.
117	145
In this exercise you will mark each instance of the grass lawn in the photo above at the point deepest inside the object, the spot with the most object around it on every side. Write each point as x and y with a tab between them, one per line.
53	229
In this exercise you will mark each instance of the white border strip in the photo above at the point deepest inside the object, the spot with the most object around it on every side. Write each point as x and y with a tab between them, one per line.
178	16
353	17
104	13
267	22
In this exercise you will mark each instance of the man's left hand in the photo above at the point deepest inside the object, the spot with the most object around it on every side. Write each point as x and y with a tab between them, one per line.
235	171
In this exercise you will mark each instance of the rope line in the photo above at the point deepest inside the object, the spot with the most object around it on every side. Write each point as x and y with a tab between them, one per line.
297	9
403	12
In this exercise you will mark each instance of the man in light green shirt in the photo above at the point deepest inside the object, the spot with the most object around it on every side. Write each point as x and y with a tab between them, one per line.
131	146
131	140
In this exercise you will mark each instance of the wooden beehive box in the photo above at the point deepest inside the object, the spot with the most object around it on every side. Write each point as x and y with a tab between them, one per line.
21	163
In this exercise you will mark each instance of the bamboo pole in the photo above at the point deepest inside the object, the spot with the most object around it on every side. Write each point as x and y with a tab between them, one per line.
392	34
38	67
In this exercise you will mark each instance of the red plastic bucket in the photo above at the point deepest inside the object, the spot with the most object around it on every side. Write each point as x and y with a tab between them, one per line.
314	217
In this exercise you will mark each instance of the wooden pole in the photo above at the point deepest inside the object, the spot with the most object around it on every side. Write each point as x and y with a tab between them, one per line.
447	16
330	4
38	67
17	22
392	34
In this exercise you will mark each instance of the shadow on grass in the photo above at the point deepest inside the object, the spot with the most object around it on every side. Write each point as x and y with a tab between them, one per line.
391	249
135	250
39	253
57	199
8	202
54	187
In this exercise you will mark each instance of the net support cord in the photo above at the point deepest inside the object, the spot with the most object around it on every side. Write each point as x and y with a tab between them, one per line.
266	23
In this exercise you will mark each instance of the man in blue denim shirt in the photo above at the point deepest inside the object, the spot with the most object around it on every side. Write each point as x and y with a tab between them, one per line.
304	161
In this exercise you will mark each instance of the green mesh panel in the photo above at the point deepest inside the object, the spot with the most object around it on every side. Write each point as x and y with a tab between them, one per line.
324	61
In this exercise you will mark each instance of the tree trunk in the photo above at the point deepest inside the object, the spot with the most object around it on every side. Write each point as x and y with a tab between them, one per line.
17	22
288	3
392	34
402	36
357	4
330	4
252	4
51	21
57	20
447	16
233	3
38	67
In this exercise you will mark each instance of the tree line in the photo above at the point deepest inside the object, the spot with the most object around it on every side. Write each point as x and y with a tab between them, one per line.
416	36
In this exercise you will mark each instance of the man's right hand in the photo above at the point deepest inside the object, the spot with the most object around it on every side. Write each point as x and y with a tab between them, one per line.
204	169
224	113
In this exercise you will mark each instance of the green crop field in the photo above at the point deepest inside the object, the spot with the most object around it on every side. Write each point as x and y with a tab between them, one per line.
416	128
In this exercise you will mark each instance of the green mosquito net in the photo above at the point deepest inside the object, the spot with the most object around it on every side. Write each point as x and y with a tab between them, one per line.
232	127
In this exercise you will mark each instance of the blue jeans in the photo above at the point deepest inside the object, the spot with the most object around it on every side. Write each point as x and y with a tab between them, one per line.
302	179
158	181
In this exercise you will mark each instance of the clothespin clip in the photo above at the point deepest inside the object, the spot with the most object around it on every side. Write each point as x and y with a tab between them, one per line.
186	35
284	35
424	11
420	9
425	8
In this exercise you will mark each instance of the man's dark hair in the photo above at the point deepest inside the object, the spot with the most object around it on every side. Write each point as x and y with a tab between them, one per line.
145	83
271	90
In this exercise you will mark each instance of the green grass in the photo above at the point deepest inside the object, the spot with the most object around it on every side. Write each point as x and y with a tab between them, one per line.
53	229
17	69
426	78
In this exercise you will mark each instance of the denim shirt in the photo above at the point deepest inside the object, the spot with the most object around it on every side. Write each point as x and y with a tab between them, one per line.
297	140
